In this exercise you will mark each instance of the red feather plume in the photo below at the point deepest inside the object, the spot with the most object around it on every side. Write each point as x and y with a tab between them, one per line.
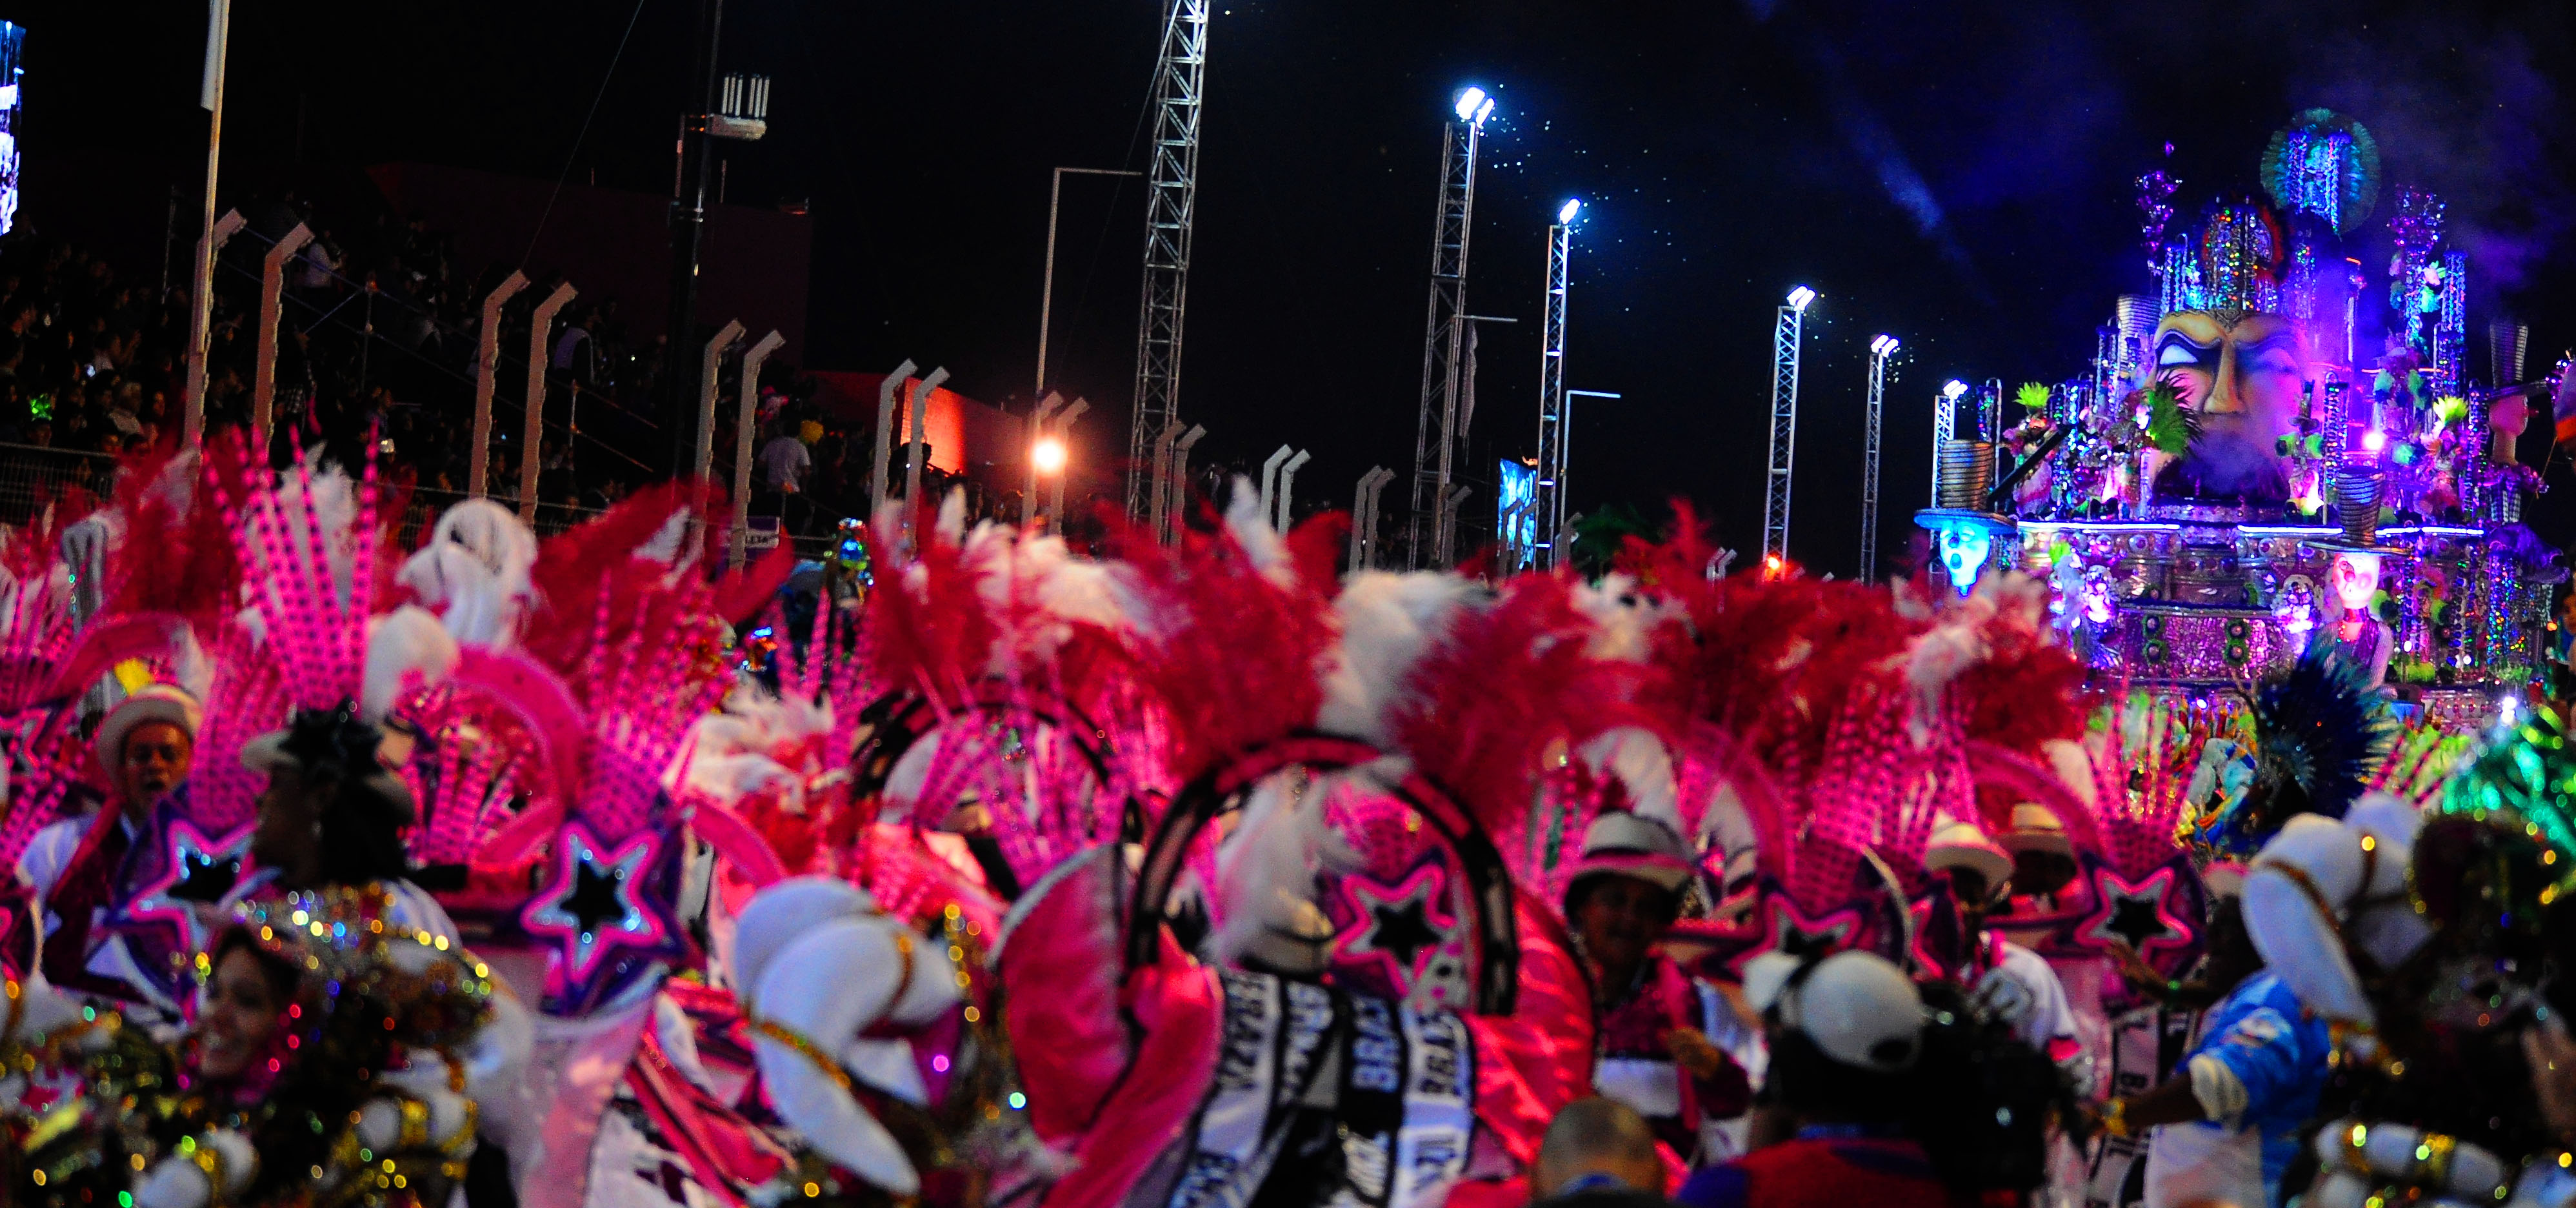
1502	684
1233	657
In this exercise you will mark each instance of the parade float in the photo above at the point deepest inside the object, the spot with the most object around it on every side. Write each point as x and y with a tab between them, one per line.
2286	444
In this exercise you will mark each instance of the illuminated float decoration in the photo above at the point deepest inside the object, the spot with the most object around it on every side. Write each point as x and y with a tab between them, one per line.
2268	452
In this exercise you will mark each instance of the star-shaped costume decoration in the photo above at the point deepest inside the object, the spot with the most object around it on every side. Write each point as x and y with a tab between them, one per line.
2153	915
1785	928
1398	927
594	908
179	875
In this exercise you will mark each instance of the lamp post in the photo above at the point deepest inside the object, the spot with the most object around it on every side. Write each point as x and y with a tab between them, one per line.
1444	331
1288	487
1879	350
1547	495
1787	333
1046	291
1037	437
1064	437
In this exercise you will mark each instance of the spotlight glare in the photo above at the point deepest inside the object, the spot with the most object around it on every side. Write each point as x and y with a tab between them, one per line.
1469	102
1953	388
1484	111
2374	440
1565	213
1883	346
1049	456
1800	297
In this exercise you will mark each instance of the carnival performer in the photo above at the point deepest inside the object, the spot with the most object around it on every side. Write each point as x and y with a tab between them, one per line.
323	1068
333	814
1657	1022
147	744
1845	1035
2228	1122
2016	982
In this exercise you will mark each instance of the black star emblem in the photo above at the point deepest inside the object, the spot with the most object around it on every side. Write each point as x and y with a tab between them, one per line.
1800	942
205	877
594	895
2136	918
1402	930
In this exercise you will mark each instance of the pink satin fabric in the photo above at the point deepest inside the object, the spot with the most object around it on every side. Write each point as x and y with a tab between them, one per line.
1181	1013
1060	974
1539	1058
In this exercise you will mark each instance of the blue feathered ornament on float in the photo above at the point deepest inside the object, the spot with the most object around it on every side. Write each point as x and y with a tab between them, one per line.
2318	732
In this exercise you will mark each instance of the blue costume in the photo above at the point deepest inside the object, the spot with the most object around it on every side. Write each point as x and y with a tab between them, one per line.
2258	1067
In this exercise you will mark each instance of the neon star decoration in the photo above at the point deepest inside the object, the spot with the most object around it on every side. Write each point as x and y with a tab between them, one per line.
186	873
595	907
1785	928
1401	926
2150	914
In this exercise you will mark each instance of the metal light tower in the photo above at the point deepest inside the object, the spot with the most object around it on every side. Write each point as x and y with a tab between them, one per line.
1879	350
1444	330
1786	335
1547	498
1171	204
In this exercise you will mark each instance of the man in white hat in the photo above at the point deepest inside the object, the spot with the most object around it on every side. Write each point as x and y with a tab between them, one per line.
145	746
1669	1044
2015	982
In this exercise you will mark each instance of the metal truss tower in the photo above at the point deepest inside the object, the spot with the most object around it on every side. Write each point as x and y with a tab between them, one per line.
1547	499
1171	205
1879	350
1444	336
1786	336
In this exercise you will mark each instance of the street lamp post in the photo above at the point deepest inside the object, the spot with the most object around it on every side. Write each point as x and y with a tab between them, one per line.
1786	336
1037	436
1046	292
1064	436
1879	350
1547	495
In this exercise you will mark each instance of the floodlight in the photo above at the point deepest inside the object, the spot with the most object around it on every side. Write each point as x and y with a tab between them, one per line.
1883	346
1953	388
1565	213
1484	111
1049	456
1469	102
1800	297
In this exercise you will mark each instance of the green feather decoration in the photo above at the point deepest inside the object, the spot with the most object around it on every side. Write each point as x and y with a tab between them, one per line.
2171	427
2032	396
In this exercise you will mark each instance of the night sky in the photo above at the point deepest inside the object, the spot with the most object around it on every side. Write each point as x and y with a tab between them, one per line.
1956	175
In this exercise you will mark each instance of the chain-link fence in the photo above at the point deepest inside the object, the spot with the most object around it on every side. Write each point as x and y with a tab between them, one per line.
426	505
31	476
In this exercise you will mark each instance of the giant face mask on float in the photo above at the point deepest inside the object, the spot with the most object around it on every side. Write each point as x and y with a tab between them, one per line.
2243	373
2233	362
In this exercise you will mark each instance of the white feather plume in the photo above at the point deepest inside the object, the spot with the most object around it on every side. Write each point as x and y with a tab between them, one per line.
1638	759
474	570
1267	548
1267	866
407	649
1387	621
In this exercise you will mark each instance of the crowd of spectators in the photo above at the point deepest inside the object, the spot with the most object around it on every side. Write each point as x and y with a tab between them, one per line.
381	327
